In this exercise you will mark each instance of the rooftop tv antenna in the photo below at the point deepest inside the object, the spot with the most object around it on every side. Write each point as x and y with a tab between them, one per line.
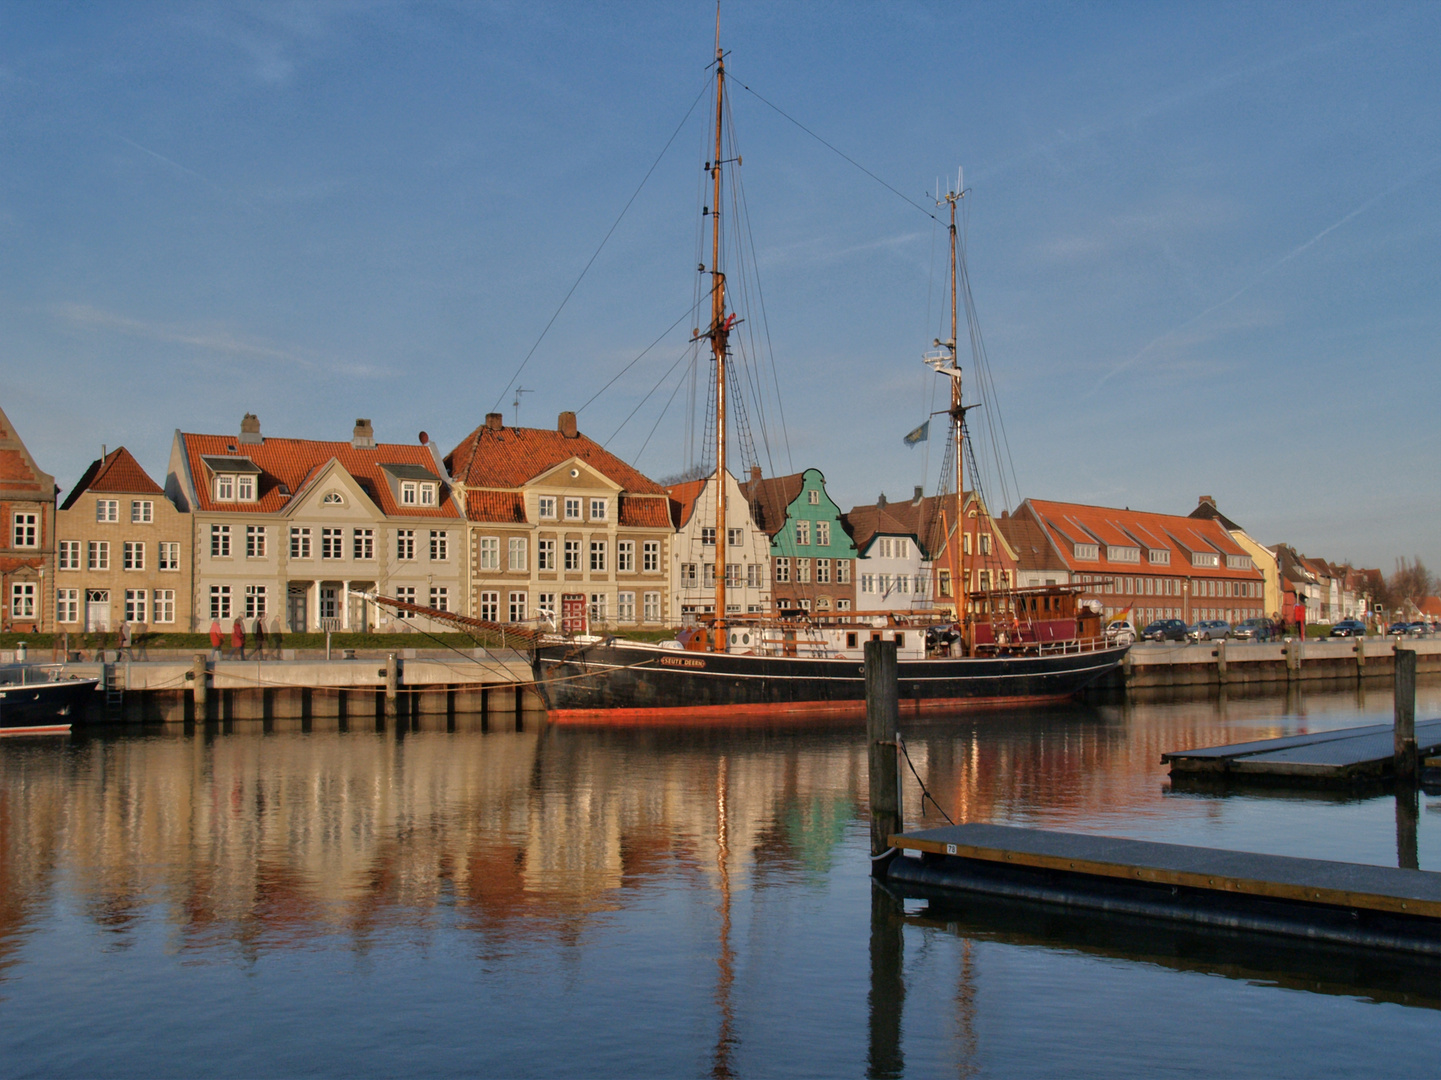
516	403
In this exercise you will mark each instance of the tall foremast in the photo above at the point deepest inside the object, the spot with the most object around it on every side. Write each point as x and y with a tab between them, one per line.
718	333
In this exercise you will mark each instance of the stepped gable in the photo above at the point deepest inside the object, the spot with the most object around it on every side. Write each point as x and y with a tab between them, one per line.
117	471
287	466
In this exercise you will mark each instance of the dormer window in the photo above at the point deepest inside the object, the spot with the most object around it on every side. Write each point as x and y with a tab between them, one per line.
245	488
1090	552
427	494
1204	558
1159	556
225	488
1122	553
408	495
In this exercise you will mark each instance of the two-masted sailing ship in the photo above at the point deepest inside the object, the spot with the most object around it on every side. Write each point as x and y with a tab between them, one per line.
1006	644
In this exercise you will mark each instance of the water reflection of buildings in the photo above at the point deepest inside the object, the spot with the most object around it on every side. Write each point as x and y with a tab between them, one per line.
267	840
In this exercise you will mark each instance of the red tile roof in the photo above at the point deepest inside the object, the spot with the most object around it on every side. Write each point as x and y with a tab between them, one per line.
645	511
293	463
499	506
682	501
510	457
1073	523
117	471
770	497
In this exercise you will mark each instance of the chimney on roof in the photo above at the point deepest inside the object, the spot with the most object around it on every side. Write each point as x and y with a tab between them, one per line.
1208	500
917	497
494	421
566	425
881	502
364	436
250	430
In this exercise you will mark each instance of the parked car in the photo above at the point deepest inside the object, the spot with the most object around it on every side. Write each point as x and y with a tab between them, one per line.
1120	632
1406	629
1209	630
1253	630
1165	630
1349	628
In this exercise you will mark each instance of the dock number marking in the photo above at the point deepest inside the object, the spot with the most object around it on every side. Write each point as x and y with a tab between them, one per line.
950	849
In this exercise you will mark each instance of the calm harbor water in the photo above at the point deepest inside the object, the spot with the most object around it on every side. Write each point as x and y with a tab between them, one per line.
265	900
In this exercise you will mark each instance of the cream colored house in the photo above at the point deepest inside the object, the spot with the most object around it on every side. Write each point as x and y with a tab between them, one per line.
693	551
291	531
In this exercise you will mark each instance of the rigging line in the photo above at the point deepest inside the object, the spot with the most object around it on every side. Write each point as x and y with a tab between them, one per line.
906	198
658	383
602	244
648	348
659	418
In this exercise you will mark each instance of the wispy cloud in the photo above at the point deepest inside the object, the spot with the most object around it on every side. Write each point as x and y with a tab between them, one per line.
214	341
1171	336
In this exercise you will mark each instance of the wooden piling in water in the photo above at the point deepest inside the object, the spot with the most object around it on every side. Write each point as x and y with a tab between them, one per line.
882	716
199	691
392	677
1405	714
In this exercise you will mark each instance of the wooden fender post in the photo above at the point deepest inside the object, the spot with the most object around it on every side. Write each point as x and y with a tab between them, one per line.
392	676
1404	745
199	691
1221	661
1361	657
882	714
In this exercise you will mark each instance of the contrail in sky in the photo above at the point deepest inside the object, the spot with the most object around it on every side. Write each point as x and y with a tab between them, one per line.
188	171
1405	181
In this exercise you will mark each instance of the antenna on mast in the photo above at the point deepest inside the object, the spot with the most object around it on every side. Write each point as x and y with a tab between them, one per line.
516	403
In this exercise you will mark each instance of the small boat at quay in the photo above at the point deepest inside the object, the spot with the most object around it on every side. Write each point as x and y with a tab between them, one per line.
37	699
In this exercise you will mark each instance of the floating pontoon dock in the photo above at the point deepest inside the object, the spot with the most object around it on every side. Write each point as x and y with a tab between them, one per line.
1346	755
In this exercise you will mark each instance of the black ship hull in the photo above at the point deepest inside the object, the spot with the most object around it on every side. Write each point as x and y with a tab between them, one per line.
42	708
628	682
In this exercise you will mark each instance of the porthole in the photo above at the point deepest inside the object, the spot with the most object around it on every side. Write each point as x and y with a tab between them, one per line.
745	639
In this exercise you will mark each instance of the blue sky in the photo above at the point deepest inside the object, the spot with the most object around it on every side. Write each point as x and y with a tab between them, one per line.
1203	237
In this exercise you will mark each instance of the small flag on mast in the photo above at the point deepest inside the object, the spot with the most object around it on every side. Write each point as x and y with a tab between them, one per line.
921	434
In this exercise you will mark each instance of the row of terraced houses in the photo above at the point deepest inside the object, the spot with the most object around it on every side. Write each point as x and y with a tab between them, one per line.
520	525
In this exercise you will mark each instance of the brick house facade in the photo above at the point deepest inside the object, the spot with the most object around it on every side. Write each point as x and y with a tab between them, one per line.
27	546
124	552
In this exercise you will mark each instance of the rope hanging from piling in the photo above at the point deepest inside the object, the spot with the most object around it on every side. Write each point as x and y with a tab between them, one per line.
925	792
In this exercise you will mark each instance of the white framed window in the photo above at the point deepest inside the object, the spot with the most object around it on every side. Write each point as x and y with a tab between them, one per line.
331	541
903	582
903	548
164	605
868	583
572	554
245	488
804	602
107	509
299	542
490	606
408	494
22	600
142	511
650	607
883	548
688	578
986	544
406	595
735	537
427	494
137	604
733	575
440	598
545	554
255	601
823	571
220	601
572	508
515	555
597	509
25	531
68	555
803	571
1159	556
132	555
547	507
707	535
517	607
225	488
650	556
490	553
97	555
708	575
67	605
782	569
625	556
545	605
333	498
220	541
597	556
439	545
755	575
803	532
362	542
597	607
625	607
823	533
405	545
255	541
814	498
843	571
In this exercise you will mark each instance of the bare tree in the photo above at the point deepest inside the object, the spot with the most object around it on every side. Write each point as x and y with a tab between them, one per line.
1411	582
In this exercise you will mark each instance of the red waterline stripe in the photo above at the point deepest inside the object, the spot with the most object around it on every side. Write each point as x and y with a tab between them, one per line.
762	712
47	729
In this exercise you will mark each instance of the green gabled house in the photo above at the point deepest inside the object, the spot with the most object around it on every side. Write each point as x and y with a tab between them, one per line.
812	554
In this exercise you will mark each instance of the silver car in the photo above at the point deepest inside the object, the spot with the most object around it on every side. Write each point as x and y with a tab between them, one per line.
1209	630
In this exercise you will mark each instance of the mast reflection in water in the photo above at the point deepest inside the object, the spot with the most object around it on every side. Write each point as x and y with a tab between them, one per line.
654	901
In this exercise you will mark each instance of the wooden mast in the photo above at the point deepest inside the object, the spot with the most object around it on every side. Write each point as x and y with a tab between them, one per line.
958	418
719	332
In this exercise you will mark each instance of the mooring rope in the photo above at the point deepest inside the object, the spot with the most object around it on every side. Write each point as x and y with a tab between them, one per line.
925	792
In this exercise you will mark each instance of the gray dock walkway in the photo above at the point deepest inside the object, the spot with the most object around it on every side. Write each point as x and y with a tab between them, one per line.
1344	903
1346	755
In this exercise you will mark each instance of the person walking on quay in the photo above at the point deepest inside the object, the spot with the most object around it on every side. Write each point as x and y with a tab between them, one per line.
237	638
215	639
277	637
123	642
